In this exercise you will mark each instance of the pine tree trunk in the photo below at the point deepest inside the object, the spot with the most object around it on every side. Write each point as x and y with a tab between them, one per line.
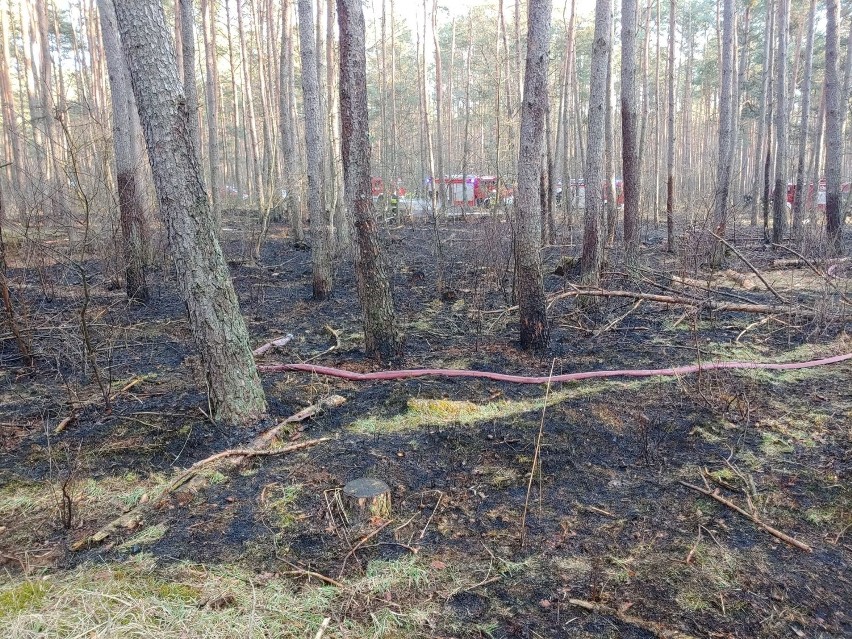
833	128
609	139
800	193
670	138
253	170
779	196
439	104
763	121
10	116
187	38
220	334
239	187
630	133
593	222
529	285
211	98
288	135
723	174
382	336
127	164
315	146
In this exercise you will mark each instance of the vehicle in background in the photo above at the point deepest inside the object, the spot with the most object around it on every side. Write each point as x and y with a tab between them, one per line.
578	193
816	196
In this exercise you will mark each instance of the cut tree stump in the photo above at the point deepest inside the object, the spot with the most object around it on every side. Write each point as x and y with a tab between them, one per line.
366	499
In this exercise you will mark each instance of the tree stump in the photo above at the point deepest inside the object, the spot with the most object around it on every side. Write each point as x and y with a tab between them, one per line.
366	499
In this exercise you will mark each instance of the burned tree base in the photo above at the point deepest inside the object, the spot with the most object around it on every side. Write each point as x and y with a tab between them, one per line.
366	500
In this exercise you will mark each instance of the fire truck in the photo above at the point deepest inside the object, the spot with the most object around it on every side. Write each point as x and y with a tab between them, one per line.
818	193
377	187
474	190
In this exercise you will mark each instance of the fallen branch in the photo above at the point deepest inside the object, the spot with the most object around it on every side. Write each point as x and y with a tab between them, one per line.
276	343
712	305
826	276
651	626
750	265
772	531
361	543
262	445
801	260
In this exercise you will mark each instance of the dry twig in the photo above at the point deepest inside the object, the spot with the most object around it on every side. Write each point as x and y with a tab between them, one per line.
772	531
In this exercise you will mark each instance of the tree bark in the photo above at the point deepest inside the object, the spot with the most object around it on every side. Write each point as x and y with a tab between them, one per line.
593	222
127	174
187	39
800	194
288	132
670	138
211	99
220	334
630	133
763	121
723	174
610	141
529	285
10	116
315	151
779	196
382	336
833	128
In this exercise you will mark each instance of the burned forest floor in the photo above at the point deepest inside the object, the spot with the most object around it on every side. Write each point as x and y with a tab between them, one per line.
517	510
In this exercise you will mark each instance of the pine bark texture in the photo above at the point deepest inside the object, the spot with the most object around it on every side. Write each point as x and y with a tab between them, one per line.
10	116
315	151
833	128
801	190
187	41
670	137
127	160
593	222
383	339
630	132
287	113
529	284
779	194
218	329
211	100
723	173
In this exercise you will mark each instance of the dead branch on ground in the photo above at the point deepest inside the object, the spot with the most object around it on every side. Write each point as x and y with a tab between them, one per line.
751	266
714	494
651	626
262	445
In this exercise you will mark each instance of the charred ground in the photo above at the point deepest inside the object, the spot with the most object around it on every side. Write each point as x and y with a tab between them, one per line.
608	521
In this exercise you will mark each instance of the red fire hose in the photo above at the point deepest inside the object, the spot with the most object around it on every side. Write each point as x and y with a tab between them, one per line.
567	377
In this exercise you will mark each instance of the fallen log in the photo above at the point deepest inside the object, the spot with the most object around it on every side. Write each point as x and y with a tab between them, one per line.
262	445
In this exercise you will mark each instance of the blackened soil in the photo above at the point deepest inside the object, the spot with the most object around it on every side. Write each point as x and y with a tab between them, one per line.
607	519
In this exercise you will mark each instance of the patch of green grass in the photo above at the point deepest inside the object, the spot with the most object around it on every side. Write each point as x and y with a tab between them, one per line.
132	497
20	499
691	600
397	576
772	445
21	597
444	412
216	478
277	502
145	537
706	433
830	515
